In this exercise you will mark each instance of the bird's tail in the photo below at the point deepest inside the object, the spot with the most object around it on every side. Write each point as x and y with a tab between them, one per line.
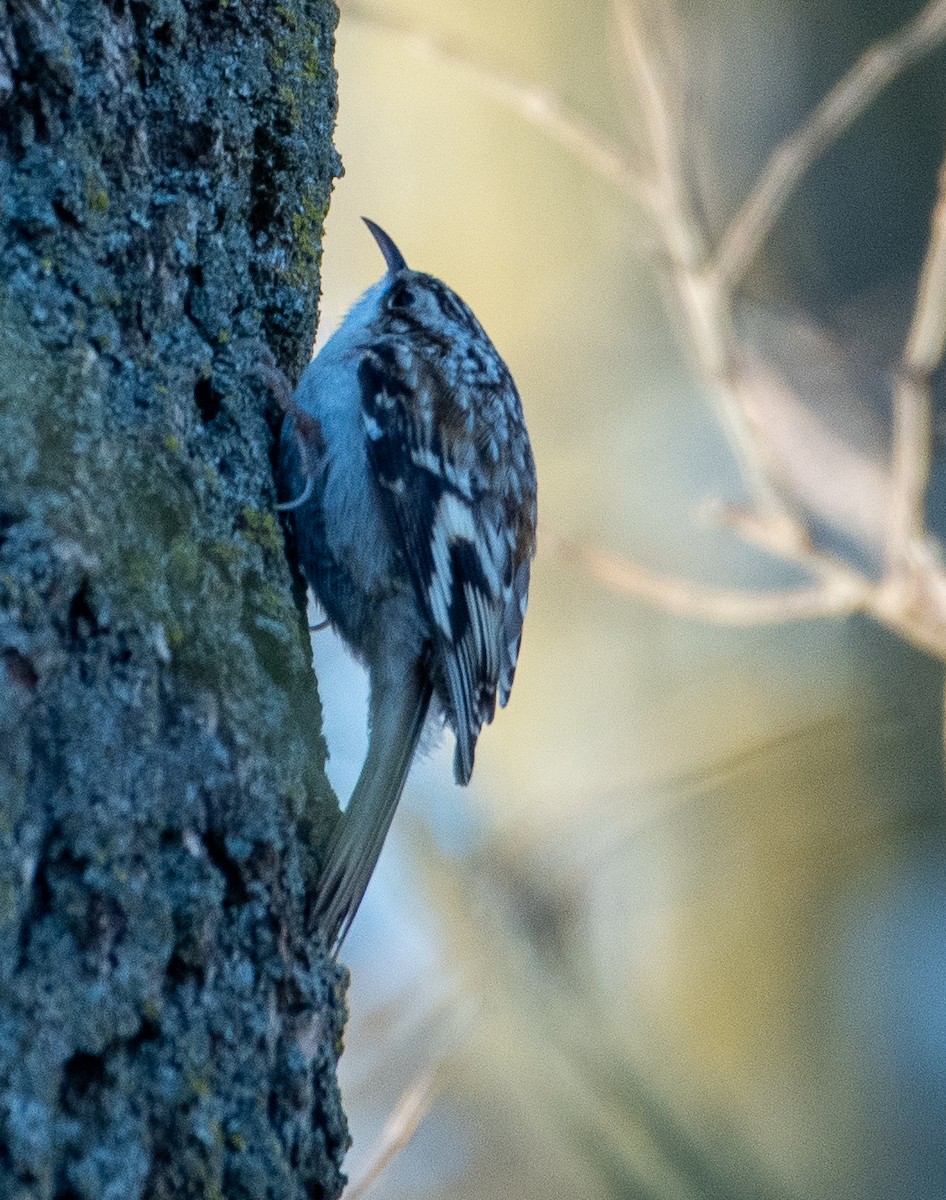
397	718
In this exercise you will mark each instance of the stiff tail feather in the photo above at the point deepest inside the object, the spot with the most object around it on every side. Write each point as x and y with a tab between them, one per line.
397	720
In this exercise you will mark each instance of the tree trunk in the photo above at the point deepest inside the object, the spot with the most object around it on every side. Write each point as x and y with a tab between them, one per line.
168	1027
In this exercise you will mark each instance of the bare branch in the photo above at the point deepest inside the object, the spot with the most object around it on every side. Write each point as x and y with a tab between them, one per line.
684	240
912	412
927	338
788	540
916	612
790	161
918	615
912	431
721	606
703	297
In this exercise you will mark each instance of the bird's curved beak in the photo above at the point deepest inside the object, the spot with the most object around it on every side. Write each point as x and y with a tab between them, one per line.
392	256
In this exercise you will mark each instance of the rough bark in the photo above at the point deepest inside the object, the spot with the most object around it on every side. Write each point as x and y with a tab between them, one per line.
167	1026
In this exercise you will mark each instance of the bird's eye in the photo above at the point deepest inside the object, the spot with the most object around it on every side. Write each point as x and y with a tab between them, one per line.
401	296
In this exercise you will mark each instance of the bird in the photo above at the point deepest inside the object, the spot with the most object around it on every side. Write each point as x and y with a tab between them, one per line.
411	490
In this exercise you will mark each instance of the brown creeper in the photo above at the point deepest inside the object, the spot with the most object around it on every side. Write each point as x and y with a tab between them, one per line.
414	504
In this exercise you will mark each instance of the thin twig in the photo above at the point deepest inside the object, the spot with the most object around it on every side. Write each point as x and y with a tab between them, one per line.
684	240
721	606
448	1020
786	539
912	396
536	105
704	300
398	1131
919	617
793	157
927	338
911	454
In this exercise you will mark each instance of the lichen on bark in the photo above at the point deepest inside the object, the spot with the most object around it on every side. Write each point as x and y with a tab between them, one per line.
168	1027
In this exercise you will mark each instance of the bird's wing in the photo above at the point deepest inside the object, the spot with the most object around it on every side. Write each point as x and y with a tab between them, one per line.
459	525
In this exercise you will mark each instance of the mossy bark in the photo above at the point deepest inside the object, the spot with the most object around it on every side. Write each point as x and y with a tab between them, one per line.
168	1027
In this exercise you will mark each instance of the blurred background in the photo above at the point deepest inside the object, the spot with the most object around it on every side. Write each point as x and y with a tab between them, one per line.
683	936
